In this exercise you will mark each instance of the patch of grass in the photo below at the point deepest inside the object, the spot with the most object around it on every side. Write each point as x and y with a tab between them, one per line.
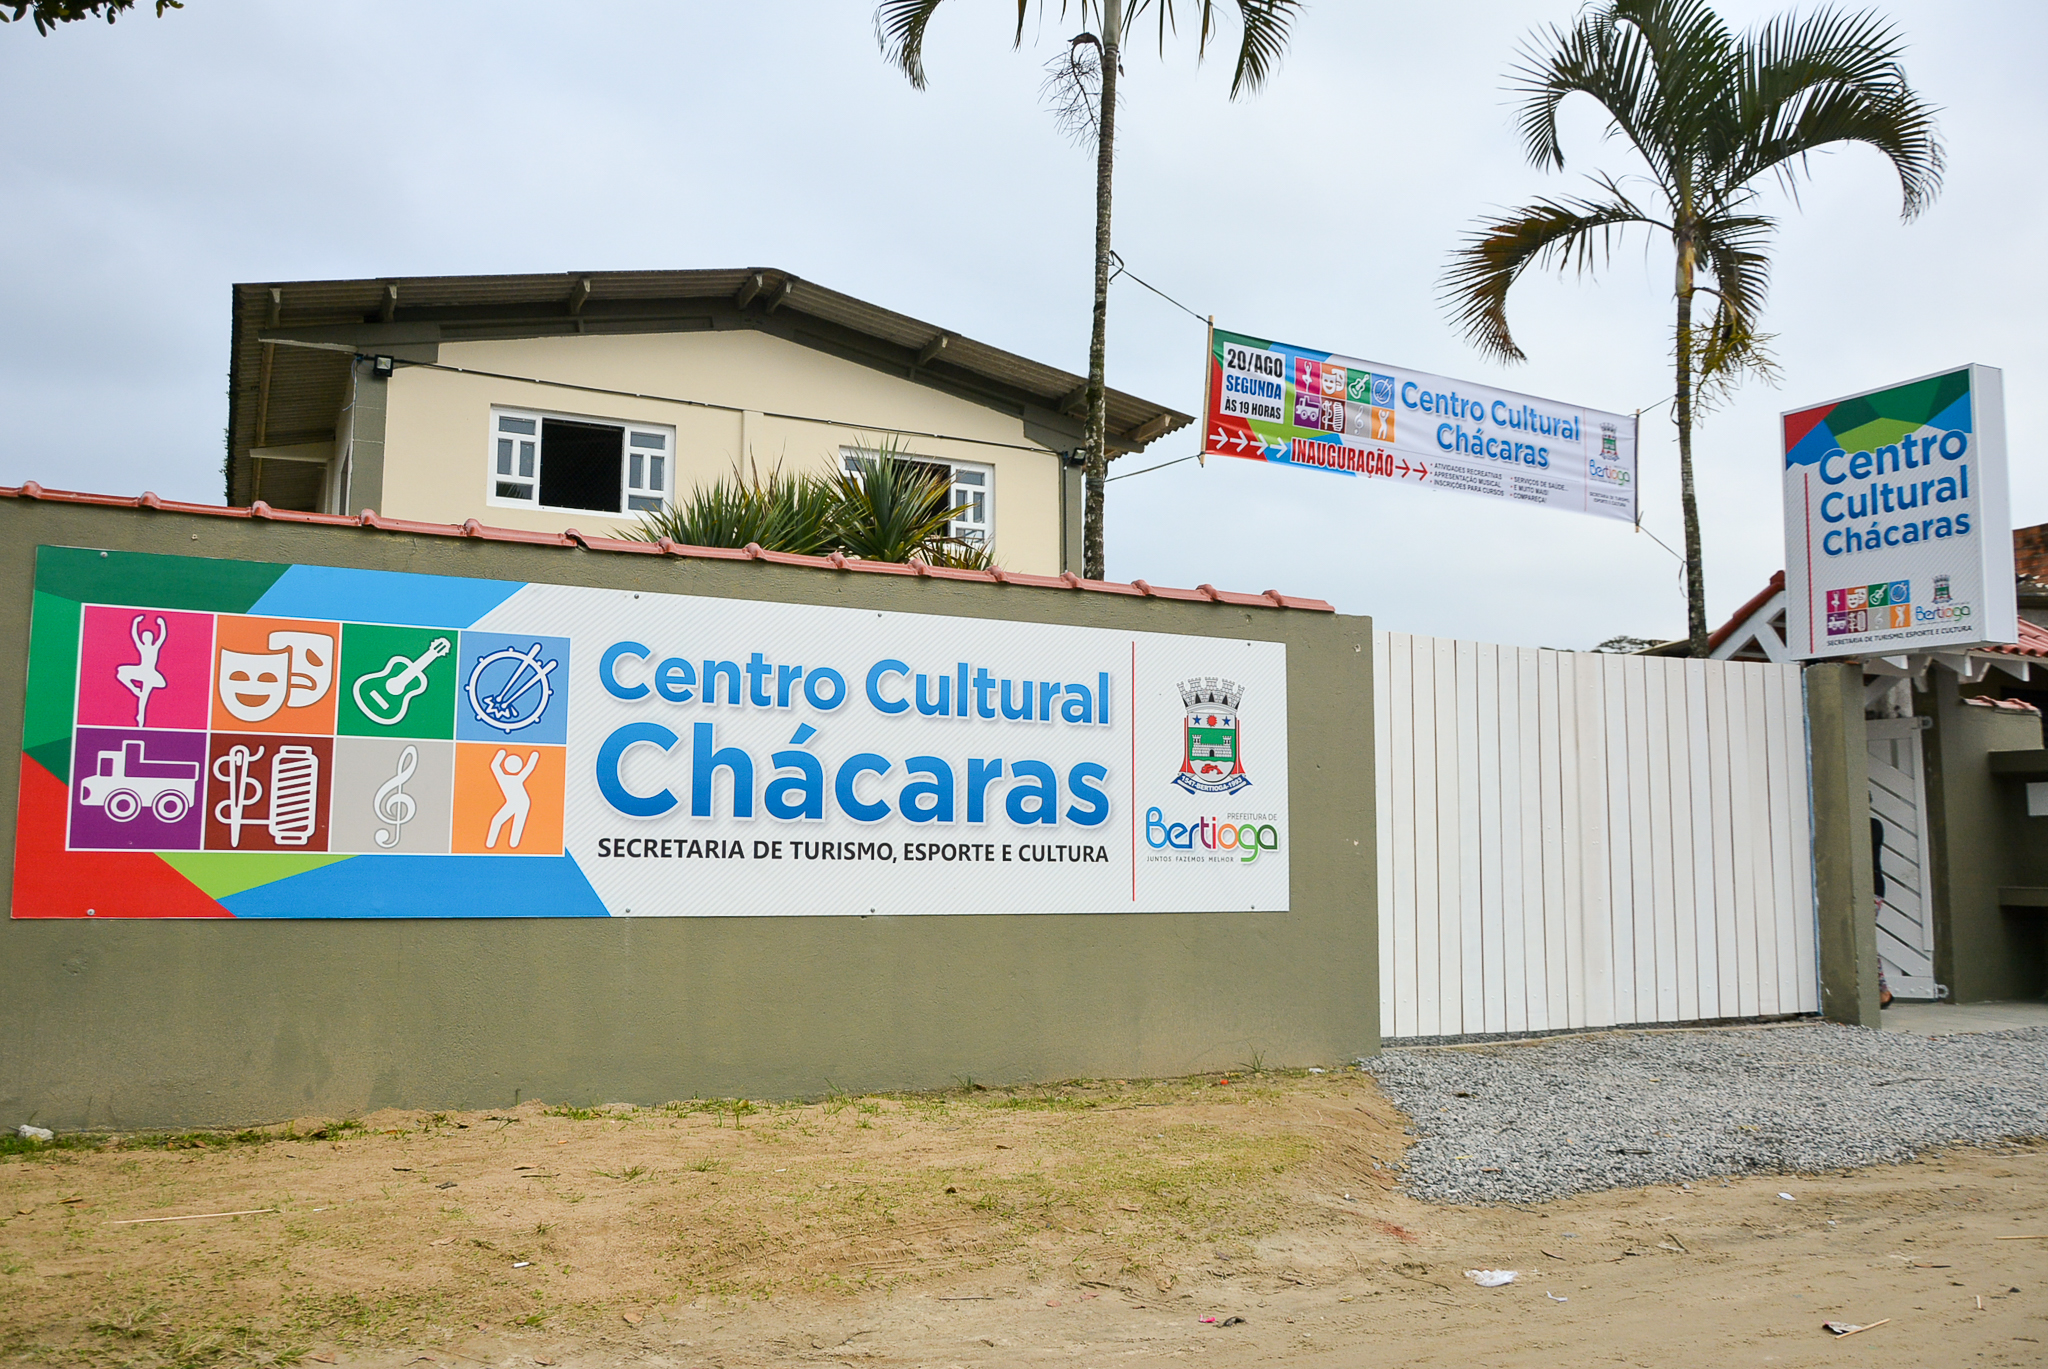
13	1143
574	1114
624	1176
1058	1102
710	1166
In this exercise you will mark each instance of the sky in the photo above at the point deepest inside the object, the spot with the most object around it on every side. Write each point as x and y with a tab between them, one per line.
156	162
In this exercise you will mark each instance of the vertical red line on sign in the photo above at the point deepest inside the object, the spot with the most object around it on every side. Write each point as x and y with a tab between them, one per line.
1806	484
1133	716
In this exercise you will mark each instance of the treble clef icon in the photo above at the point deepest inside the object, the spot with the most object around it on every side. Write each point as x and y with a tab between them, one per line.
394	805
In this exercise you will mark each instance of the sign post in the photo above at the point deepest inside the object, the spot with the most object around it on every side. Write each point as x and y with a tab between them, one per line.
1898	535
1275	402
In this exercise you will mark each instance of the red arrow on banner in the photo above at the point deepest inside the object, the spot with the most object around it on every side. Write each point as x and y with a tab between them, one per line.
1404	470
1422	471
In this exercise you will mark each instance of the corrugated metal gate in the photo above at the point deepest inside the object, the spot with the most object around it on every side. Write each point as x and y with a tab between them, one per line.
1580	840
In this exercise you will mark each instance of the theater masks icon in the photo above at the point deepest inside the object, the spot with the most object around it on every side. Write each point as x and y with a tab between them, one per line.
312	672
253	684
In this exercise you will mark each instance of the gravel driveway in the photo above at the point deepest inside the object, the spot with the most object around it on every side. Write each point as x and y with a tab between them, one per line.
1526	1123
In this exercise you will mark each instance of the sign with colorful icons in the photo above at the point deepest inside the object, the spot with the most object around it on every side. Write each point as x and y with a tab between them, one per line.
209	738
1291	406
1898	536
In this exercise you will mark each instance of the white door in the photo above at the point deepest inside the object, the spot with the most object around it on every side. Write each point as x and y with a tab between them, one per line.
1898	798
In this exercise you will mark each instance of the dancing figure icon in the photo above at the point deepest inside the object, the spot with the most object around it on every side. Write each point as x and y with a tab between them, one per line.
142	678
512	774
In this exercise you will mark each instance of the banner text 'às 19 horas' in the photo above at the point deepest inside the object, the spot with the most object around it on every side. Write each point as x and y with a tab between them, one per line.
1898	537
215	738
1271	401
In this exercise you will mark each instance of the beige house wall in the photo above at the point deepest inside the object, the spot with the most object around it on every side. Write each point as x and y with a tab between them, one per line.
438	440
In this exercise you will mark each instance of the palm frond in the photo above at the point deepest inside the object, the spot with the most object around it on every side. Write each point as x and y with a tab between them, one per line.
1694	57
1730	347
1829	78
1267	24
1566	234
1644	63
899	32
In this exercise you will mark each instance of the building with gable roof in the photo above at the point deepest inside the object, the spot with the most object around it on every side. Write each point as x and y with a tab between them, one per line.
582	400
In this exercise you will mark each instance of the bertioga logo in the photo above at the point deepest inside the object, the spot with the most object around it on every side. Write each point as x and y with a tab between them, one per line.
1212	761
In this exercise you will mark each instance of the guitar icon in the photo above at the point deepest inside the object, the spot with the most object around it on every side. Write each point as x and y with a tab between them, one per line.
385	695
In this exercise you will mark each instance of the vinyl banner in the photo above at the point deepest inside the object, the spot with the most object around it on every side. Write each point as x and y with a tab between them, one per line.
210	738
1898	537
1272	401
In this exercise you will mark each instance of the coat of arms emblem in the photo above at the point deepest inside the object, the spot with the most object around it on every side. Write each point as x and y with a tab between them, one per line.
1212	762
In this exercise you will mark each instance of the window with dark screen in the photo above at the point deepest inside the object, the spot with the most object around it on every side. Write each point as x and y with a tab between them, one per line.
543	461
581	465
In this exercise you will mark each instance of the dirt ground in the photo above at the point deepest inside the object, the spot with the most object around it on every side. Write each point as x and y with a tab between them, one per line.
1088	1223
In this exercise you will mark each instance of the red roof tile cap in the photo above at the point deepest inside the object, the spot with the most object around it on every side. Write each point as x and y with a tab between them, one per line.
1073	580
31	490
753	550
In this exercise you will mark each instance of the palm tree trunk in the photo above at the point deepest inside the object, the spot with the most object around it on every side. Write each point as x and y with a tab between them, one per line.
1695	576
1098	399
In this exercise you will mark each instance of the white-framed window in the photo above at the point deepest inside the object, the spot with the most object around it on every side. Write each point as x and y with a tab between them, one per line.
971	489
541	460
647	469
974	490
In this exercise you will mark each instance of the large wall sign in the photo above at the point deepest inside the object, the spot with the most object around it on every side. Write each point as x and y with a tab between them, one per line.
1272	401
1897	532
210	738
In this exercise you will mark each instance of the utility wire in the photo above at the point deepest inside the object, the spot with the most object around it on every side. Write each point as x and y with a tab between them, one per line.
1123	270
1199	456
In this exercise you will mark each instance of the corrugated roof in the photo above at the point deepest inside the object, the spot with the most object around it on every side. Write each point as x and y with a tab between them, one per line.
297	397
573	540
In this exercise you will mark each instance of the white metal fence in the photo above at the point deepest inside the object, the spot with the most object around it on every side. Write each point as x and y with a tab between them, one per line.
1579	840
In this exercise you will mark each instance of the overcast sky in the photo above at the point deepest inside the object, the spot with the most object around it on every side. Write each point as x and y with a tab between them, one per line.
152	164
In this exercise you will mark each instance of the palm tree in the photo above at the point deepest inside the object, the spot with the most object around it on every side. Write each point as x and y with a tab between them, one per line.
1713	115
900	28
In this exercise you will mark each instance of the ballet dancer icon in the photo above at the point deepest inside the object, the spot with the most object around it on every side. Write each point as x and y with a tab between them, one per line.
511	774
142	678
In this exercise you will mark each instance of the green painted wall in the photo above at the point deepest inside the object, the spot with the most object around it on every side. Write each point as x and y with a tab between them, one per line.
1978	834
134	1024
